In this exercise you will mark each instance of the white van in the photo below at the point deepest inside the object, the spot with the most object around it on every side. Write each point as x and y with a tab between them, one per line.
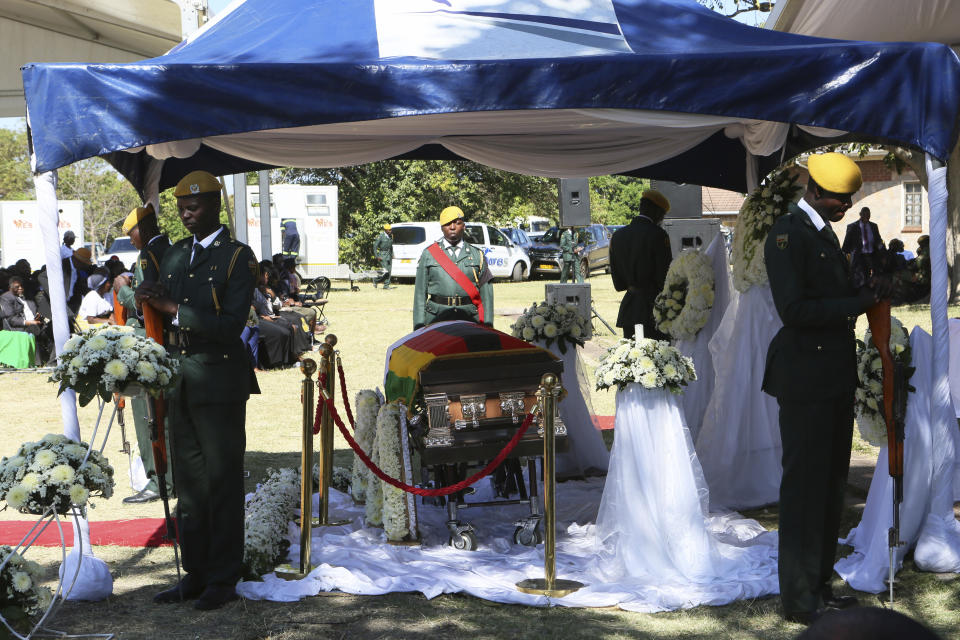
505	259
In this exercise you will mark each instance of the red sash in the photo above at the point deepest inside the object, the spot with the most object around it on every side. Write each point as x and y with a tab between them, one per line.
458	276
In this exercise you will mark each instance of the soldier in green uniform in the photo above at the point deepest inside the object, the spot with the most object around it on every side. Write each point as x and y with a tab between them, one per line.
569	257
143	229
204	293
438	295
383	250
811	369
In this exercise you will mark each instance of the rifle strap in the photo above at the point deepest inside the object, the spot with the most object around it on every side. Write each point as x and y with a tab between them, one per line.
458	276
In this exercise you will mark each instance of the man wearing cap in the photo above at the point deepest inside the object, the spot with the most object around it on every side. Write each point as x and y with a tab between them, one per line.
639	258
453	280
204	293
569	257
143	229
383	250
811	369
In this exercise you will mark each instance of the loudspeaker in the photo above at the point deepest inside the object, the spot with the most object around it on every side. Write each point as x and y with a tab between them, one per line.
574	202
685	199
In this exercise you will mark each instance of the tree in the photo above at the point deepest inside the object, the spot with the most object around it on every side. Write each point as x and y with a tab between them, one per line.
732	8
16	182
615	199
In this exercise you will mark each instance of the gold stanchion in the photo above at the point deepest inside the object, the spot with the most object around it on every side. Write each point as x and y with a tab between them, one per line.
286	571
549	585
328	365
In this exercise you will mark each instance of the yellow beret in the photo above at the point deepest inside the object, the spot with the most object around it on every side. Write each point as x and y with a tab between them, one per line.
450	214
835	172
387	227
656	198
138	214
195	183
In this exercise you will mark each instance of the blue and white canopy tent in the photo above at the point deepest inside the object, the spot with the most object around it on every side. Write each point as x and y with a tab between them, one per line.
659	88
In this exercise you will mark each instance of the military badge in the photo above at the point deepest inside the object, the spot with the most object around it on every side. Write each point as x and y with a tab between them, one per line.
143	263
782	241
194	188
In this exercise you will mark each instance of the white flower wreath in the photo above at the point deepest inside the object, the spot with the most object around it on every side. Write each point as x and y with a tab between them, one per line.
768	202
398	517
266	521
367	403
683	307
654	364
869	395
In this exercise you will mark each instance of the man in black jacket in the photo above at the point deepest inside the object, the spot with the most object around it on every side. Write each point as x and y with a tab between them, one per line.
862	235
639	258
811	369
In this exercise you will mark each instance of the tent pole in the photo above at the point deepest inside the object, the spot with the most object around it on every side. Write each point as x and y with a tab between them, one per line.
940	402
266	227
240	207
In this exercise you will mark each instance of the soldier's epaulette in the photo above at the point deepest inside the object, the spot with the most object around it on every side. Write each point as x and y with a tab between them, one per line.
184	242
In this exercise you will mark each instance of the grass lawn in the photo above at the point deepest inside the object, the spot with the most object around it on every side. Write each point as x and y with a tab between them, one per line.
366	323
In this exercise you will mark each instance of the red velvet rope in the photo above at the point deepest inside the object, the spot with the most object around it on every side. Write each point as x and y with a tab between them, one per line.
318	414
346	396
445	491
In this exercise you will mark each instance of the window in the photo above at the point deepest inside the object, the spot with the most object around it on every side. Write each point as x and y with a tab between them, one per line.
474	234
497	238
912	206
409	235
317	204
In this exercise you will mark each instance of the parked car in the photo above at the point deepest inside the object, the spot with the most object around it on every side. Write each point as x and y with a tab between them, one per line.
504	257
96	250
519	237
124	250
595	240
613	228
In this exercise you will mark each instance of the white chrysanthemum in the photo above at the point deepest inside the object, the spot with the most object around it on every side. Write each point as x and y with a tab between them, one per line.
21	581
146	371
97	343
117	369
74	451
44	459
529	333
576	331
54	438
17	496
537	321
876	365
872	403
163	378
898	349
128	342
649	379
62	474
550	330
31	481
79	494
670	371
77	361
72	343
646	363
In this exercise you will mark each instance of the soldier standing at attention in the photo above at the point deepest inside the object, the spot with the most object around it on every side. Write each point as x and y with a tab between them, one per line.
204	293
811	369
569	257
453	280
144	232
640	255
383	250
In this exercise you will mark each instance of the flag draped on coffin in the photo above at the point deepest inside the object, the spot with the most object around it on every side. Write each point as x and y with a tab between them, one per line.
666	88
412	353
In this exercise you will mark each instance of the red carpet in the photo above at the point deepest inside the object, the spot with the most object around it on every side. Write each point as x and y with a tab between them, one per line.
142	532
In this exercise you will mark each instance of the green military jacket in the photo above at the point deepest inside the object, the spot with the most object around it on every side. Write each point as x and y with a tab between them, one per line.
146	268
432	280
214	293
814	353
567	245
383	246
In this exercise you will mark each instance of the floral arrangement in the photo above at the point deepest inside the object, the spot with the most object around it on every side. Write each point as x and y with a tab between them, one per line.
868	404
367	404
551	322
104	360
55	473
398	510
768	202
266	521
654	364
20	591
683	307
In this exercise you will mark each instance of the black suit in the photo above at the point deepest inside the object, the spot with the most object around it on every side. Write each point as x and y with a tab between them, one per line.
853	239
12	319
639	258
811	369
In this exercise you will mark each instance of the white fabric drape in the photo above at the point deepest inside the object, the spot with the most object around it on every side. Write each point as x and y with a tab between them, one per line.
927	522
739	442
555	142
588	453
696	395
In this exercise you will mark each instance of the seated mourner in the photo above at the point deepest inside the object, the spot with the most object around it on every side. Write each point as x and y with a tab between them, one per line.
19	313
94	308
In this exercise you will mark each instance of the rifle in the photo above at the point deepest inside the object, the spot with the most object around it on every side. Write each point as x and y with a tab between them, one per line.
156	413
894	409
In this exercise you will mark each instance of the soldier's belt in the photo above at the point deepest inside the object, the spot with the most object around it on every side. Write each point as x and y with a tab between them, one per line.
451	301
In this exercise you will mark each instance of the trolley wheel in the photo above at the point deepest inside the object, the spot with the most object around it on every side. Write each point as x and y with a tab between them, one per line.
464	541
527	537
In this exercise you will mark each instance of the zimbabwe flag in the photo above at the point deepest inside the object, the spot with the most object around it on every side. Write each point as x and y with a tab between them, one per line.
407	356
